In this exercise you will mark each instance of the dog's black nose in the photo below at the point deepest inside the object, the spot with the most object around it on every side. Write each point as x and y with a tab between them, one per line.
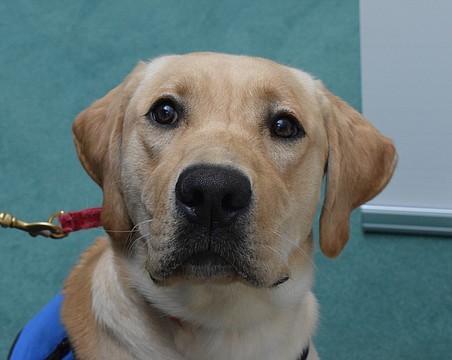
213	195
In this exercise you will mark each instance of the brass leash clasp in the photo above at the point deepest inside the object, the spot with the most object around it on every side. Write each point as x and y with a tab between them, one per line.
47	229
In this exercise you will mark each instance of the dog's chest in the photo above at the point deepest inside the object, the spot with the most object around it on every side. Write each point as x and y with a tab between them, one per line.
263	343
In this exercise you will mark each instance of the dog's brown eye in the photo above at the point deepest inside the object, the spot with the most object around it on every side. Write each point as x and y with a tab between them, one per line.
164	112
286	127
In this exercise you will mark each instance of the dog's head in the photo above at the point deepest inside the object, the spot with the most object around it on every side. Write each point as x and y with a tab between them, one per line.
215	162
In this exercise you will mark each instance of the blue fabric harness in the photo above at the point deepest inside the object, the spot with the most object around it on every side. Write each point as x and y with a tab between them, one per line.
44	337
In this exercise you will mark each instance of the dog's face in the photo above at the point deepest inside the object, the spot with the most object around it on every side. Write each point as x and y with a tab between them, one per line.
216	163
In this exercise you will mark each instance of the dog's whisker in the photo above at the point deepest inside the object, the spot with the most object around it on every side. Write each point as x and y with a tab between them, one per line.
119	231
144	222
279	253
136	240
298	247
310	259
131	239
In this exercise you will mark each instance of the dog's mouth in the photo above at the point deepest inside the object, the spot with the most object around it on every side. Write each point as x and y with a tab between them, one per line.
206	258
207	264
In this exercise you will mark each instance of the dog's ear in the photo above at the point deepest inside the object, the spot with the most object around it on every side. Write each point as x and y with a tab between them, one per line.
94	129
98	128
360	163
97	136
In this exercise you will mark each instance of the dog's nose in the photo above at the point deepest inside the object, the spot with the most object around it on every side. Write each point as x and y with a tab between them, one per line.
213	195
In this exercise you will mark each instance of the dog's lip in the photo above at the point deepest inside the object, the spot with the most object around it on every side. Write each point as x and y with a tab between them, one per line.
204	264
207	258
210	265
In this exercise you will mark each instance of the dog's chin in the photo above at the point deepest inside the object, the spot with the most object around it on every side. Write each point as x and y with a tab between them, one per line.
208	267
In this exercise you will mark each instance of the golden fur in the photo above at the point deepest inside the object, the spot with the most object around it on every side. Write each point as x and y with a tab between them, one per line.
114	310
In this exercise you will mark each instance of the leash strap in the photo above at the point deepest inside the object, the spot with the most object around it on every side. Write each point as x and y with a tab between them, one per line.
80	220
73	221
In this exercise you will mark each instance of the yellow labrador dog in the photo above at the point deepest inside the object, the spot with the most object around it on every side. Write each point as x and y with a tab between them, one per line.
211	167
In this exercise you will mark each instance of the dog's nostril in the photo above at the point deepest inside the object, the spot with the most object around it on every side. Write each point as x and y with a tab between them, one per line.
234	202
193	198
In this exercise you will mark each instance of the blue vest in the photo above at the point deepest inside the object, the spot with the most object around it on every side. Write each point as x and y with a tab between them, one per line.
44	337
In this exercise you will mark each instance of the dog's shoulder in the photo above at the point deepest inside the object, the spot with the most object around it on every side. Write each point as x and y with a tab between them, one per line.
85	267
76	313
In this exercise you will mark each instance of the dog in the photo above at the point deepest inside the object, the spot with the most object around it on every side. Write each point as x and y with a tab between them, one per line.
211	167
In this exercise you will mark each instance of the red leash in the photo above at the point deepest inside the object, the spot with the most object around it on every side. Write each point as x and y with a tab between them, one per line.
70	222
80	220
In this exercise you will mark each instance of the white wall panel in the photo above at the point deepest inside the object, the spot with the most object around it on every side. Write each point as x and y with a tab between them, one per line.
406	59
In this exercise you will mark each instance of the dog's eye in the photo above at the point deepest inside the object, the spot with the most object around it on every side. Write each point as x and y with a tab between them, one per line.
286	127
164	112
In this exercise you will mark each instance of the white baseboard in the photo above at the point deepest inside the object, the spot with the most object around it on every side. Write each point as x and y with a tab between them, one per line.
406	220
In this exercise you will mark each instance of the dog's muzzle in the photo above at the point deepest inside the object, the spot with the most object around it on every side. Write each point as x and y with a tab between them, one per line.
213	216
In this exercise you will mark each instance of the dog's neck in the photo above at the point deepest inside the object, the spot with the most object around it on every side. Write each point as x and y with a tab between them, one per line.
205	321
277	337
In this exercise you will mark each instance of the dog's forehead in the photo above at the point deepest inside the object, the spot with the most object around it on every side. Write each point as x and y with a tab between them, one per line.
227	75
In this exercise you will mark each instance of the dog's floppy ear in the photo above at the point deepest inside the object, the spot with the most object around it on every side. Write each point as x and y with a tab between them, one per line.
97	136
94	129
97	128
360	163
